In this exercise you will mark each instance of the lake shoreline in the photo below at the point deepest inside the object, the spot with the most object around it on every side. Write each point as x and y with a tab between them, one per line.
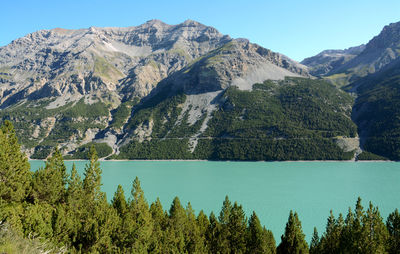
160	160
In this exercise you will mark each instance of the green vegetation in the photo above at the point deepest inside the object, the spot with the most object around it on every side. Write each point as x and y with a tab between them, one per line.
378	113
13	243
367	156
293	119
81	109
72	214
105	70
180	52
339	79
121	114
103	150
43	128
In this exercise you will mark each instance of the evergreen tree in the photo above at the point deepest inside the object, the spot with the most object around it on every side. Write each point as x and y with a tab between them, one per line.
49	183
119	202
225	211
237	229
15	175
270	240
176	227
374	232
92	180
347	237
393	226
293	240
223	234
330	241
212	234
357	230
64	225
194	242
37	218
203	223
143	223
98	219
314	245
257	241
75	188
159	226
120	235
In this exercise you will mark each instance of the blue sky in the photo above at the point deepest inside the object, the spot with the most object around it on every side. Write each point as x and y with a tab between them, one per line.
296	28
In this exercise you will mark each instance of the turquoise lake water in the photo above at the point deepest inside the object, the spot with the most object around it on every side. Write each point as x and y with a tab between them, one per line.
271	189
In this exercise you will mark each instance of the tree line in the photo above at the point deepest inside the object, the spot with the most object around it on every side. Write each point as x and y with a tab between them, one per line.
73	213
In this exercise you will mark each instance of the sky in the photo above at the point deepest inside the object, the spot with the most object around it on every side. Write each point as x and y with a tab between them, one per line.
296	28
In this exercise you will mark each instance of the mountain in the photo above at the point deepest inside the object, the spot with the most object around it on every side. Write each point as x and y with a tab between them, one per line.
373	76
377	111
329	60
379	52
290	119
168	91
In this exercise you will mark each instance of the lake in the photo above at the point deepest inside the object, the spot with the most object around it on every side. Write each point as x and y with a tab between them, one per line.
271	189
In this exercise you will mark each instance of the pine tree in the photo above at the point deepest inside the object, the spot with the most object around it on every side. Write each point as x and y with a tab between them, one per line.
237	229
223	234
225	211
347	237
98	219
203	224
257	241
119	202
64	225
15	175
75	205
92	180
75	191
374	232
49	183
120	235
37	218
194	243
157	240
176	226
356	230
293	240
212	234
330	241
314	245
143	223
393	226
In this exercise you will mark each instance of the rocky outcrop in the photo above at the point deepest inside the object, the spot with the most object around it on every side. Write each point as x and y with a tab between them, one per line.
131	61
238	63
329	60
348	66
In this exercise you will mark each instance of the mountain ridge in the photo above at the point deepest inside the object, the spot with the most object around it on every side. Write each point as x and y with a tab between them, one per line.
61	73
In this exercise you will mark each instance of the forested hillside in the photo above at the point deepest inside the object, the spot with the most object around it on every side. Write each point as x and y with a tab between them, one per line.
291	119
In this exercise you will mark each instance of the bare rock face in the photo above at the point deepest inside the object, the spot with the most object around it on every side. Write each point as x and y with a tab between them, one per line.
120	61
347	66
238	63
328	60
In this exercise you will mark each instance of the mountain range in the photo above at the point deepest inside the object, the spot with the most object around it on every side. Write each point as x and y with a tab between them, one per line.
186	91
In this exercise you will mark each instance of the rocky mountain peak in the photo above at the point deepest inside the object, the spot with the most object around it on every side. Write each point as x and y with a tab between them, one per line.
121	63
344	67
389	37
